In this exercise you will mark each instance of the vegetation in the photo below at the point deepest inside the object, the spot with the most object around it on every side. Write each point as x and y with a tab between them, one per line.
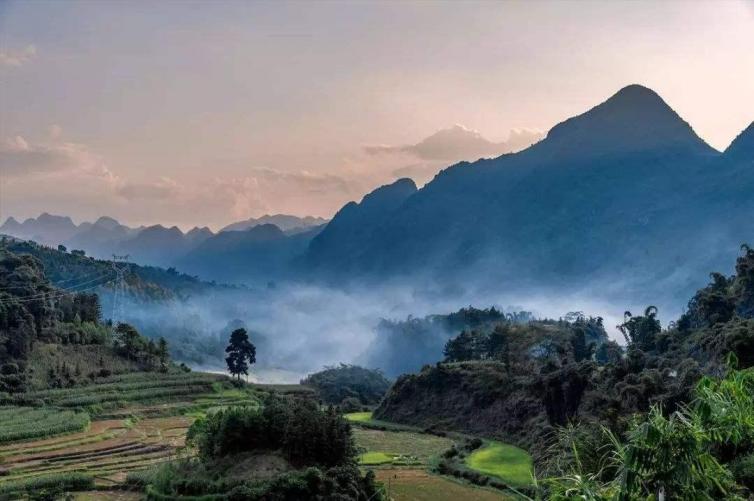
405	346
48	486
651	419
349	386
507	462
34	313
23	423
312	448
240	352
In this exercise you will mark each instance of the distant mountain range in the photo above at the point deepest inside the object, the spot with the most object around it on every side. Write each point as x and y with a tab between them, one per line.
623	195
153	245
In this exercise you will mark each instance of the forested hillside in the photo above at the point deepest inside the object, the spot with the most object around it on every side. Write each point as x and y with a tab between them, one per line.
530	383
52	337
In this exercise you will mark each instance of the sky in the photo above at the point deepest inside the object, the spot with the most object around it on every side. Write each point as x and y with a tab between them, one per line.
205	113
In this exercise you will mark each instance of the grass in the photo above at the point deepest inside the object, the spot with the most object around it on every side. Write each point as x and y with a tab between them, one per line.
418	485
507	462
418	446
376	458
359	417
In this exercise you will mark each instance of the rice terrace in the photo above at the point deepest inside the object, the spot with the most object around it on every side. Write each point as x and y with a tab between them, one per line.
103	440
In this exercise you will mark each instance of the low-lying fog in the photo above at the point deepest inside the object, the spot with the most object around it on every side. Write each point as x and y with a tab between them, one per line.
299	328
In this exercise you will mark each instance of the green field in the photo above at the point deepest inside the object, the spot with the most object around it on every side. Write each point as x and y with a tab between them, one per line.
507	462
375	458
406	447
359	417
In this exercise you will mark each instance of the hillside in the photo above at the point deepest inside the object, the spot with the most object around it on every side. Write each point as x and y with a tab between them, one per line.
54	337
520	382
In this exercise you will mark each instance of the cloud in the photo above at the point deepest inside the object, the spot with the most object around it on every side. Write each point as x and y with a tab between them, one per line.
162	189
19	158
17	57
459	143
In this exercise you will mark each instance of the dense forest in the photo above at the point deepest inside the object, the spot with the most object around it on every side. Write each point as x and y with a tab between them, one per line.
602	420
349	386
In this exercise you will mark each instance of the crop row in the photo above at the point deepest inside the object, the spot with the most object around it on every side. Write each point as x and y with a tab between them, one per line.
59	482
132	396
154	382
40	423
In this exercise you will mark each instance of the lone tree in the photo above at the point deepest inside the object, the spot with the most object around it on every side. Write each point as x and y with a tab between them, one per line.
240	352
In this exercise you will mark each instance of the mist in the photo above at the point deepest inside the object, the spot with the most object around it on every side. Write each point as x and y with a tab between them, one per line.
300	328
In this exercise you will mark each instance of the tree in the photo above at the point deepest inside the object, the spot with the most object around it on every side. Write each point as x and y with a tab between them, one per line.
128	340
240	352
162	353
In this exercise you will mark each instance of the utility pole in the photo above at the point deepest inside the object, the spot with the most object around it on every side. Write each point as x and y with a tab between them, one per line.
120	266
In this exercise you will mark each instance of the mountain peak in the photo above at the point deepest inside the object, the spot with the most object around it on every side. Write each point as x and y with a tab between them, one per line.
106	222
743	146
634	120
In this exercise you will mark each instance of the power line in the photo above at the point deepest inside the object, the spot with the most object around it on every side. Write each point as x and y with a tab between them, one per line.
54	294
58	283
69	289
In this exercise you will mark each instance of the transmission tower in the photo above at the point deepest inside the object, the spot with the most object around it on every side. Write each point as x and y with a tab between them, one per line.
120	266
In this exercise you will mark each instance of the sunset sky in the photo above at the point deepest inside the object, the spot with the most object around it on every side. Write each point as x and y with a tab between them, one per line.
203	113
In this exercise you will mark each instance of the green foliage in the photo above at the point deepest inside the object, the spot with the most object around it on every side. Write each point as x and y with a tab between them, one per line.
305	434
336	385
54	484
240	352
205	482
24	423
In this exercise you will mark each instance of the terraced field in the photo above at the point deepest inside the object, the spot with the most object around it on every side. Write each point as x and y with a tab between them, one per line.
137	421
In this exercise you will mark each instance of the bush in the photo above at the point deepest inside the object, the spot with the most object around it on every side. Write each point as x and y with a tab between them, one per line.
743	471
335	384
305	434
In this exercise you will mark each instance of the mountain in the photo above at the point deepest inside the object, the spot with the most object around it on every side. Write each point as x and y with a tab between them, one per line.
47	228
156	245
355	223
604	192
260	254
284	222
100	238
742	148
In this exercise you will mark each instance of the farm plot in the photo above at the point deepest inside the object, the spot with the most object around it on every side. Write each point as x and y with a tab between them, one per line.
398	447
24	423
106	452
507	462
418	485
144	426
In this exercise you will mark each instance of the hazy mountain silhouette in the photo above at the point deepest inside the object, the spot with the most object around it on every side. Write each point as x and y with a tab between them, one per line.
47	228
257	255
628	185
284	222
351	228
